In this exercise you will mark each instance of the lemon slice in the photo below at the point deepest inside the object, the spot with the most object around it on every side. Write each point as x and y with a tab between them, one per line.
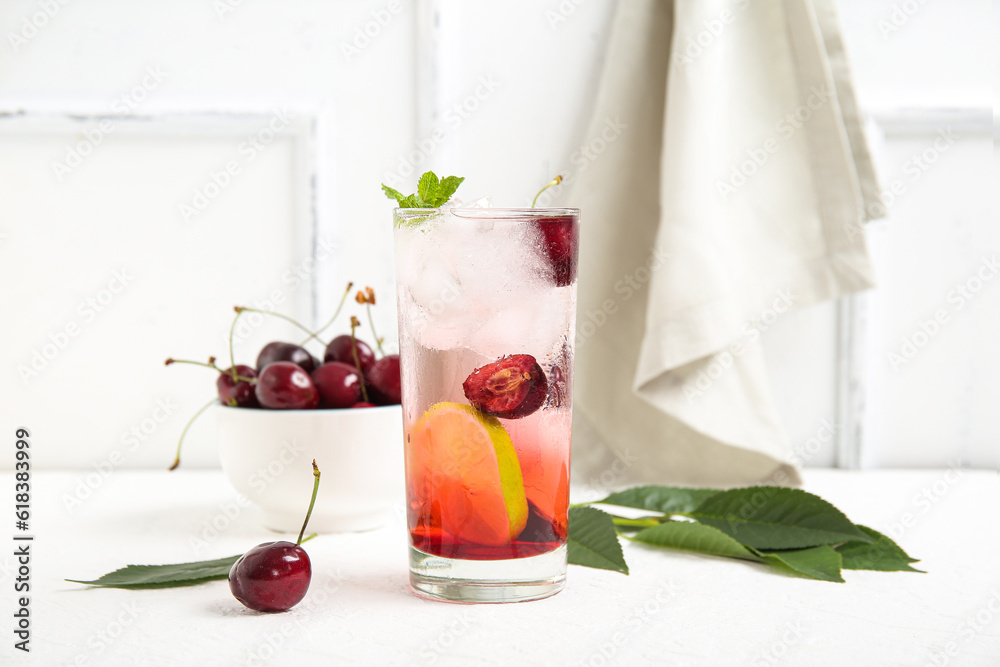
463	469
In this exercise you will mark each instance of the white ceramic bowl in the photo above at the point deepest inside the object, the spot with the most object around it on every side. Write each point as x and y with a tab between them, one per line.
267	455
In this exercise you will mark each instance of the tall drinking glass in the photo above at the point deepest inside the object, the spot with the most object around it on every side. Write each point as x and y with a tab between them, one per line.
487	306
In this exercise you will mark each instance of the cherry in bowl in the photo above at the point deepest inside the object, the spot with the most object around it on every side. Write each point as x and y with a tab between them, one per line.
279	351
339	385
284	385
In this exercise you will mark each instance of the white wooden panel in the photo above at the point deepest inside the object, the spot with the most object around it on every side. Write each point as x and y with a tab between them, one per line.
801	354
513	90
933	362
106	279
917	53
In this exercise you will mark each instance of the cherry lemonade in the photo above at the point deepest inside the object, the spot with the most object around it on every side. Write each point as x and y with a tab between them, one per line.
487	303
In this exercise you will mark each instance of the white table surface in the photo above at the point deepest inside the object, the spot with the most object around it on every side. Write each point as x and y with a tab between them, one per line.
676	608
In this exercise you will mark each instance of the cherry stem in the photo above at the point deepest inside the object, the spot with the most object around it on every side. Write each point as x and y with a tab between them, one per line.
238	378
638	523
177	458
332	319
312	334
232	330
555	181
312	502
357	361
310	537
378	341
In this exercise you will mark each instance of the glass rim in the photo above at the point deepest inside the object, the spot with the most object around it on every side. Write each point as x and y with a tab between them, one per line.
474	212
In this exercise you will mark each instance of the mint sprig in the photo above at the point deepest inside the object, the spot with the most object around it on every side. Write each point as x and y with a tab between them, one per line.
431	191
789	529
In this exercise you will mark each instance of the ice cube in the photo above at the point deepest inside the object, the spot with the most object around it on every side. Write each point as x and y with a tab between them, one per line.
463	272
536	325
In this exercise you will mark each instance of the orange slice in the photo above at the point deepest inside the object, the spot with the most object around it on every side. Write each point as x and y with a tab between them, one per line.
462	466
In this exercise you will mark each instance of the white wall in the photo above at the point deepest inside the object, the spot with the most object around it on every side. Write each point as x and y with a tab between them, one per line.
225	74
522	81
930	386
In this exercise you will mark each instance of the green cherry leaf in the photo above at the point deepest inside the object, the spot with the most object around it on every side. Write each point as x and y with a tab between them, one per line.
880	554
693	536
665	499
593	541
822	562
165	576
773	517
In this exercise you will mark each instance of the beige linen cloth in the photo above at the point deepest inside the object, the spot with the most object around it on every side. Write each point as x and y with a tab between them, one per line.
729	184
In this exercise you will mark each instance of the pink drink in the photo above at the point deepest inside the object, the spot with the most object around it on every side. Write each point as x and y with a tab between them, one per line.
487	301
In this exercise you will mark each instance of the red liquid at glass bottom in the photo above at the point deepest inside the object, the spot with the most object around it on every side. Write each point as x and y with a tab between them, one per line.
541	534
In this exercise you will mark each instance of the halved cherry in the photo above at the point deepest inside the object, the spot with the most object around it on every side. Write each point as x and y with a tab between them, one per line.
510	388
561	243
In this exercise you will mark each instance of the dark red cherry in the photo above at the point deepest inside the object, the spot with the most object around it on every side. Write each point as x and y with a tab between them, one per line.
511	388
273	576
561	244
237	393
340	349
384	381
539	527
283	385
362	404
278	351
339	385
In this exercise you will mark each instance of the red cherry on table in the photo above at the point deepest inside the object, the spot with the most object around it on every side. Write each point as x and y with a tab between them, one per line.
561	244
278	351
384	381
340	350
339	385
283	385
273	576
511	387
237	393
362	404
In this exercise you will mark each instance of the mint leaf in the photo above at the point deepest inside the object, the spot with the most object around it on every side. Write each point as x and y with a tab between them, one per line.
427	187
820	562
593	541
772	517
165	576
431	193
393	194
694	537
665	499
881	554
447	188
